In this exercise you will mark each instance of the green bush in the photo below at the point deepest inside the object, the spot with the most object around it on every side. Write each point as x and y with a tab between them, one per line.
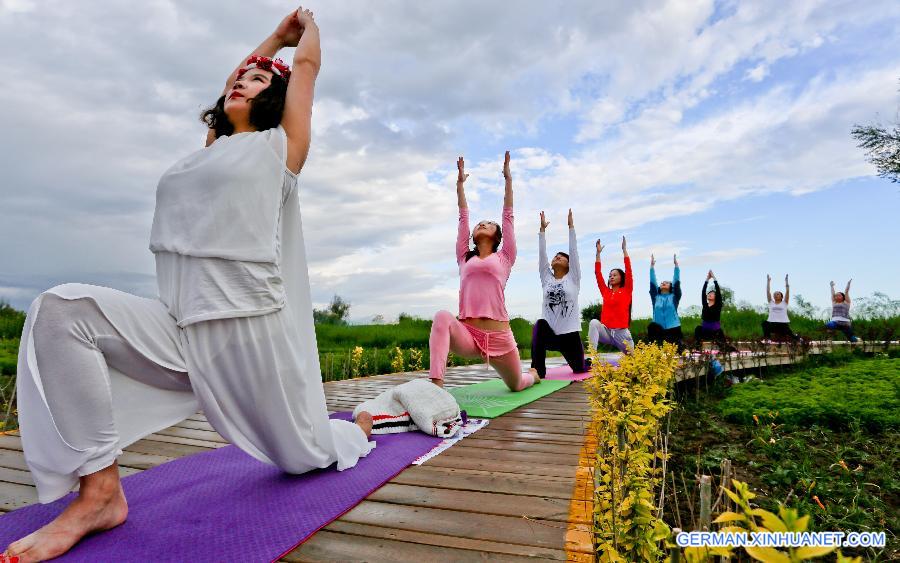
9	350
11	321
867	391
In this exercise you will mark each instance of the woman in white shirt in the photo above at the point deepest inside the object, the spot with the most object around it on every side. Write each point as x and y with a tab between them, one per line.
559	327
232	331
778	324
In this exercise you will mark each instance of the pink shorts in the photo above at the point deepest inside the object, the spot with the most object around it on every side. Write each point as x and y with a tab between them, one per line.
493	343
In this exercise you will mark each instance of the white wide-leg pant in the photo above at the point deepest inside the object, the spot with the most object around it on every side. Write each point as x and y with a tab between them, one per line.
100	369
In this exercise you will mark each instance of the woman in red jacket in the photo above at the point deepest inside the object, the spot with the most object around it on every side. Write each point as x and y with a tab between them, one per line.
615	315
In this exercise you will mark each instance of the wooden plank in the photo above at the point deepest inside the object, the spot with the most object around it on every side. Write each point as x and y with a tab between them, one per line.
546	437
13	459
154	447
447	522
476	441
474	452
15	495
193	434
11	442
448	546
441	477
205	444
562	472
22	477
537	508
326	545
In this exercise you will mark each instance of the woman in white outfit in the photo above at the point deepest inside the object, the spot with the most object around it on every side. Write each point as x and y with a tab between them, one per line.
232	331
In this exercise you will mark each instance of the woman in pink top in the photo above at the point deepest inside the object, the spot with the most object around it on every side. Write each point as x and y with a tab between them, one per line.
482	328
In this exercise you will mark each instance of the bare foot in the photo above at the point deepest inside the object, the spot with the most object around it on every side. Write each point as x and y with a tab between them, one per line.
364	420
535	375
99	506
438	382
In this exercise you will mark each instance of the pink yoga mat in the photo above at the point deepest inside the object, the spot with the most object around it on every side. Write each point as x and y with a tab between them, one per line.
564	373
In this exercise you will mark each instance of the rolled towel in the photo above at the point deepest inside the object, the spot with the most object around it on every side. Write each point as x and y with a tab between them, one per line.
433	409
414	405
389	416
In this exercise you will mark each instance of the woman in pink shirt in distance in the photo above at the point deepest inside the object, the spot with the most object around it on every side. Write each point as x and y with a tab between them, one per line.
482	328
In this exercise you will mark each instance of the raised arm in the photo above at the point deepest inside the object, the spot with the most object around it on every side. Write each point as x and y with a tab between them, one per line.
543	263
507	178
598	272
832	292
768	288
574	261
654	287
461	177
847	291
462	234
676	284
629	279
297	117
509	235
787	289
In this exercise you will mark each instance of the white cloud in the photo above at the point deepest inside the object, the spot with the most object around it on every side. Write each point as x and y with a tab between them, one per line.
757	73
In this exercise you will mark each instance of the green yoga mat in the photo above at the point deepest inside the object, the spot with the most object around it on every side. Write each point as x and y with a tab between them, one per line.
490	399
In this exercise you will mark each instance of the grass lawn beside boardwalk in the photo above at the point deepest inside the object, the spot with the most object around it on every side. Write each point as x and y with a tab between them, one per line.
822	437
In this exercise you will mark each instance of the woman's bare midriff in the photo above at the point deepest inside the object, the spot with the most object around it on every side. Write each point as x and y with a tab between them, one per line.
482	323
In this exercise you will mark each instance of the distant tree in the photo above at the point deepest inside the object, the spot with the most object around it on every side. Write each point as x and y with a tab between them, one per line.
877	306
378	320
405	318
692	311
336	313
727	297
592	311
804	307
882	148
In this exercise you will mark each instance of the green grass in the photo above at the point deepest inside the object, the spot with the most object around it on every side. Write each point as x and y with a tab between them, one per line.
812	448
867	392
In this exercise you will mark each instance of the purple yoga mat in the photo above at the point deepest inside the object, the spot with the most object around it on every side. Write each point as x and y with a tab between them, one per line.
223	505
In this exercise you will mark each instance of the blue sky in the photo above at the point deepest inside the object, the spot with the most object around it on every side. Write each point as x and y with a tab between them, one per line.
719	130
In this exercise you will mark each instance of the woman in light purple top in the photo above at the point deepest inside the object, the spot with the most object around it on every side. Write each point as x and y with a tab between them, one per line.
840	312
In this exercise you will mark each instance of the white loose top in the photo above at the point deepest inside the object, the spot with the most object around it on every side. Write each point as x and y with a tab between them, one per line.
217	228
560	306
778	312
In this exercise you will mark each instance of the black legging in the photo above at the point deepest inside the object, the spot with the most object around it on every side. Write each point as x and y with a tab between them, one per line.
779	329
543	338
657	334
717	336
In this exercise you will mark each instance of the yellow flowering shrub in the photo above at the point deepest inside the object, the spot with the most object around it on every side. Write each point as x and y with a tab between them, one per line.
628	404
398	363
357	362
415	359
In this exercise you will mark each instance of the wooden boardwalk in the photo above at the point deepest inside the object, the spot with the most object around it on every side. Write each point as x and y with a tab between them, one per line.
774	355
518	489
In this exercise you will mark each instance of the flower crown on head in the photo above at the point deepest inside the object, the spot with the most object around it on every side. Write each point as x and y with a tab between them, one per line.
275	66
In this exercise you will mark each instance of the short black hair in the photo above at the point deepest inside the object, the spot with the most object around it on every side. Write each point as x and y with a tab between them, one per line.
266	109
563	254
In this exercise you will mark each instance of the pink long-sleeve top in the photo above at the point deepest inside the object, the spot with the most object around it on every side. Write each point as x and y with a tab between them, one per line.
482	281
